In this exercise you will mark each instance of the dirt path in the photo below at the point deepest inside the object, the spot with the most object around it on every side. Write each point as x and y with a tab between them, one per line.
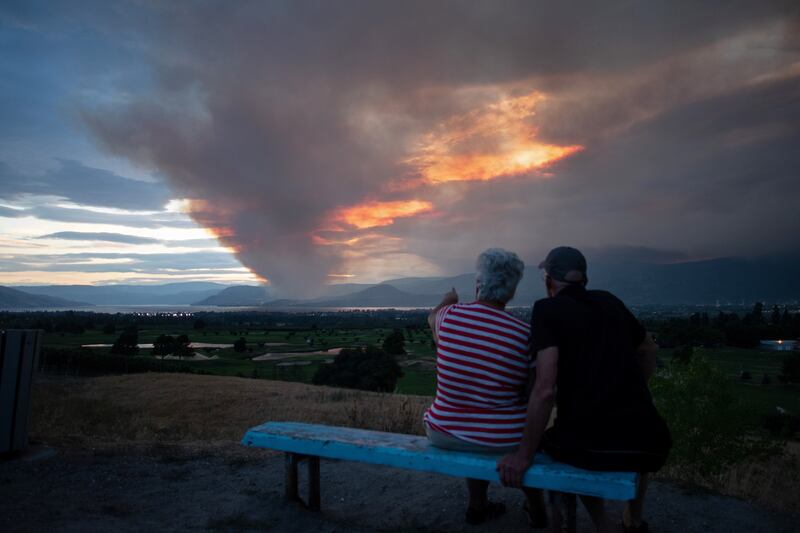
163	489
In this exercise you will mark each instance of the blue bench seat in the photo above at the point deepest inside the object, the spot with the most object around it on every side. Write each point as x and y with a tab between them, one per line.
312	441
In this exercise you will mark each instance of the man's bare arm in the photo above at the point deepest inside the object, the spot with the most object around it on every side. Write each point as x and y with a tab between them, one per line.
448	299
647	356
512	467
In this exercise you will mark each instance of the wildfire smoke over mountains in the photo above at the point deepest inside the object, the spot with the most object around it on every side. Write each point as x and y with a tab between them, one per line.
368	140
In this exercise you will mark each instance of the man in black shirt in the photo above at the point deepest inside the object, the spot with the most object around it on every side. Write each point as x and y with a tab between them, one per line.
593	362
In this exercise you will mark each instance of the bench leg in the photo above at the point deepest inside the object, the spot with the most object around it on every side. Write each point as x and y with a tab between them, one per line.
556	513
313	484
559	503
290	481
572	519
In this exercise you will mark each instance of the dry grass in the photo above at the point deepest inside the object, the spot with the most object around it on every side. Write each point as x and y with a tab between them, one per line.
164	409
773	482
167	412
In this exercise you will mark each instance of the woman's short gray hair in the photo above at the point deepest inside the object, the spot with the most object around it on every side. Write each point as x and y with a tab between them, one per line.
499	272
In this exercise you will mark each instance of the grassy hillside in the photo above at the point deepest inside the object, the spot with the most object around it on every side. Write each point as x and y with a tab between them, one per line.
191	409
214	411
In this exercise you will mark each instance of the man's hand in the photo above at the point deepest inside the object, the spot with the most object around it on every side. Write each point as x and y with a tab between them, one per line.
450	298
512	468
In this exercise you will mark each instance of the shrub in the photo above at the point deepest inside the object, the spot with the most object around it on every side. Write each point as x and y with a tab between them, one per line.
704	413
367	368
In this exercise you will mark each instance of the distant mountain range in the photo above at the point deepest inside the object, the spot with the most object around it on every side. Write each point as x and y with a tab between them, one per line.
727	280
185	293
238	295
17	299
381	295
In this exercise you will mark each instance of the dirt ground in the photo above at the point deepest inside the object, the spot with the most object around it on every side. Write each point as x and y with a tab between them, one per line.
163	488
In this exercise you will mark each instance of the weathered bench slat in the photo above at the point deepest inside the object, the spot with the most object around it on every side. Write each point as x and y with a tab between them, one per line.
415	453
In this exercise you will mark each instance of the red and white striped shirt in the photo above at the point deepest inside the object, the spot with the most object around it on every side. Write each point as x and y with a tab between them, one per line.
482	366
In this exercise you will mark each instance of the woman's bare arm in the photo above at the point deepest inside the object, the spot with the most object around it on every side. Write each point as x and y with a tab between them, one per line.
448	299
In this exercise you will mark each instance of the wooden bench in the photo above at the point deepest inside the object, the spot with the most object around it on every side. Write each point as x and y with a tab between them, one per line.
309	442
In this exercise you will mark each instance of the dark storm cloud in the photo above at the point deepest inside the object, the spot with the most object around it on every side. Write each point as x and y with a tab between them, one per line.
84	185
273	114
633	254
99	236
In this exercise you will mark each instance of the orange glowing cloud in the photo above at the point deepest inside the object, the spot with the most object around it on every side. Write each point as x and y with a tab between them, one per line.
374	214
494	141
212	217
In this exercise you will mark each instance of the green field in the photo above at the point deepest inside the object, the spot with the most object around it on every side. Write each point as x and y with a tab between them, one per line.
733	361
418	368
228	362
758	399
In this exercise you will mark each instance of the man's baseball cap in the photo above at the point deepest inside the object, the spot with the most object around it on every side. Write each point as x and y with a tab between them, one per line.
565	264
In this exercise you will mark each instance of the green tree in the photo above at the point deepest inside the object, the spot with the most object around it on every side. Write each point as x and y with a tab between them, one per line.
240	345
741	334
127	343
394	343
775	317
182	346
164	345
757	315
169	345
367	368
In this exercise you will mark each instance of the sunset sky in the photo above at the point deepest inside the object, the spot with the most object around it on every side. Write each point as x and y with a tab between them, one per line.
317	142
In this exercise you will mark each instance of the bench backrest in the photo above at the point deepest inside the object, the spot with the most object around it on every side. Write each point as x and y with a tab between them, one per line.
412	452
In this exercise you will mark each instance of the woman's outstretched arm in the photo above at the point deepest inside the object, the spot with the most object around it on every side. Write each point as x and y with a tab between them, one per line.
448	299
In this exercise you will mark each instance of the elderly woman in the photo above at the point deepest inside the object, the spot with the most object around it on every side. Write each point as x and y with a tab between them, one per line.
483	366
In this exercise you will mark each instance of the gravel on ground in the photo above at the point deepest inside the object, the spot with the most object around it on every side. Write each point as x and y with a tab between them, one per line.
176	489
